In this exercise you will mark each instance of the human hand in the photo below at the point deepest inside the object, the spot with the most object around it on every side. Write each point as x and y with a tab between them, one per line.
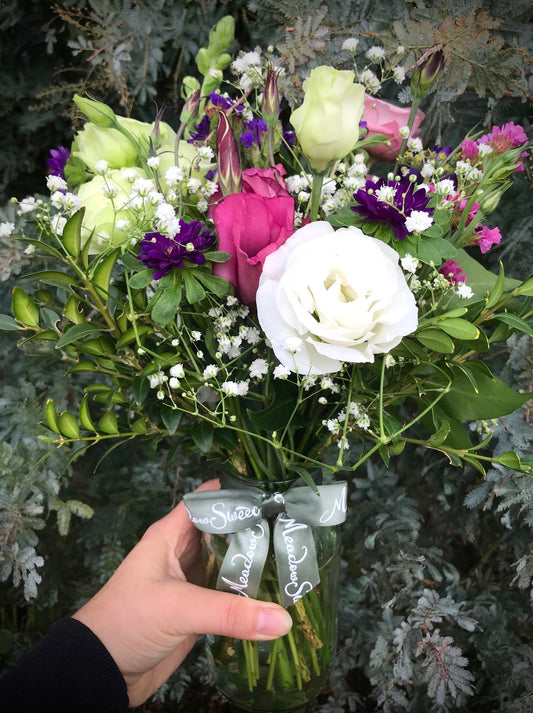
149	613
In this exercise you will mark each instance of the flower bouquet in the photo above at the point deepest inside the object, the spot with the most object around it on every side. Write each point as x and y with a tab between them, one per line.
246	285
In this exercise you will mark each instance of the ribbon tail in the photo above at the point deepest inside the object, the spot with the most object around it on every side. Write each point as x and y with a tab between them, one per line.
296	561
244	561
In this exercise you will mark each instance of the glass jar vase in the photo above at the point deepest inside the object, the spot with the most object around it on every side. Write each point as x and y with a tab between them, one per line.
286	673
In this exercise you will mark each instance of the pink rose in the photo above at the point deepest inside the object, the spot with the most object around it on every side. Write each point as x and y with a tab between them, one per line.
266	182
250	227
384	118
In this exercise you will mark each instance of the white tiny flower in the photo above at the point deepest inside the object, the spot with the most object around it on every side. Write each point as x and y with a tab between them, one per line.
173	383
196	335
258	368
153	161
370	81
427	170
175	342
293	344
445	187
415	145
101	166
160	395
177	370
386	194
206	153
350	44
174	175
55	183
129	174
29	250
389	361
210	371
281	372
404	131
6	229
333	425
199	354
400	49
398	74
354	409
123	224
464	291
418	221
363	422
194	185
375	53
322	400
409	263
27	205
109	190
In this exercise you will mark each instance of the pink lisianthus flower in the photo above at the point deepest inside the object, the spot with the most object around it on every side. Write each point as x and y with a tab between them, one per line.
250	227
486	237
452	272
382	117
266	182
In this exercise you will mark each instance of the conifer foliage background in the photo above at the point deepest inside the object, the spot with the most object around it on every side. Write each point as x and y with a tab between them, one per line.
436	594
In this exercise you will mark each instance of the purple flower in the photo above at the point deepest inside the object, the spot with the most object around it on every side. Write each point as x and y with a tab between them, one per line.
391	202
289	137
201	130
255	129
164	254
57	161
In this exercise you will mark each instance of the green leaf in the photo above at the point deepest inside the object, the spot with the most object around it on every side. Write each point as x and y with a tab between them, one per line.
51	417
71	235
141	279
171	417
490	398
218	285
459	328
202	435
217	256
474	462
194	292
509	459
24	308
108	423
8	324
512	320
85	415
436	340
53	277
77	332
131	334
83	366
68	425
304	474
72	310
497	291
166	305
438	438
102	273
526	288
140	388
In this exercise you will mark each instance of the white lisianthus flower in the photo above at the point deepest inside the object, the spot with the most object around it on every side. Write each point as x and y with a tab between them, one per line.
339	294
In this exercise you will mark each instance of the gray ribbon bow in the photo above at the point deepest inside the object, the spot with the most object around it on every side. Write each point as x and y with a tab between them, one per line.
245	513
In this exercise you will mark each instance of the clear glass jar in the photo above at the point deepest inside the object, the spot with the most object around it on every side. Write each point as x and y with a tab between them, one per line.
286	673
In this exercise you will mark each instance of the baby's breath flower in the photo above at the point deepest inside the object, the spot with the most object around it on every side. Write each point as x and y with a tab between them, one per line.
27	205
177	370
464	291
210	371
258	368
409	263
370	81
281	372
101	166
153	161
174	175
350	44
56	183
375	53
398	74
6	229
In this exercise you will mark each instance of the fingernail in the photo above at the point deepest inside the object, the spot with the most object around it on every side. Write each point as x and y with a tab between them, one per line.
273	621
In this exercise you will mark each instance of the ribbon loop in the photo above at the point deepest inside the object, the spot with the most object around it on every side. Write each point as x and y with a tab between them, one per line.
243	513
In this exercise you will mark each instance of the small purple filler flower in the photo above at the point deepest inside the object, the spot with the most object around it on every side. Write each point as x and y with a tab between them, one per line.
391	202
57	161
164	254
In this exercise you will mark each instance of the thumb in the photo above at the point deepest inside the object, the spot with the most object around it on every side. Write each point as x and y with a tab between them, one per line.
213	612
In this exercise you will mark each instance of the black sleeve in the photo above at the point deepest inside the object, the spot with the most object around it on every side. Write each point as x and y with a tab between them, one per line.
68	670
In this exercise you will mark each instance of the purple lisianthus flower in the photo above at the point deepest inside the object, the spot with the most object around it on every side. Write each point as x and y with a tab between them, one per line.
255	130
391	202
57	161
163	254
289	137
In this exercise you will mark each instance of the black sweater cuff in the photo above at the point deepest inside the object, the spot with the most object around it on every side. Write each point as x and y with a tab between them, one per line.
68	670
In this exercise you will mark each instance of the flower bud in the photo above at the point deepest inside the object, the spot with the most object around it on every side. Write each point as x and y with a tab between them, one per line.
427	70
97	112
270	107
229	163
